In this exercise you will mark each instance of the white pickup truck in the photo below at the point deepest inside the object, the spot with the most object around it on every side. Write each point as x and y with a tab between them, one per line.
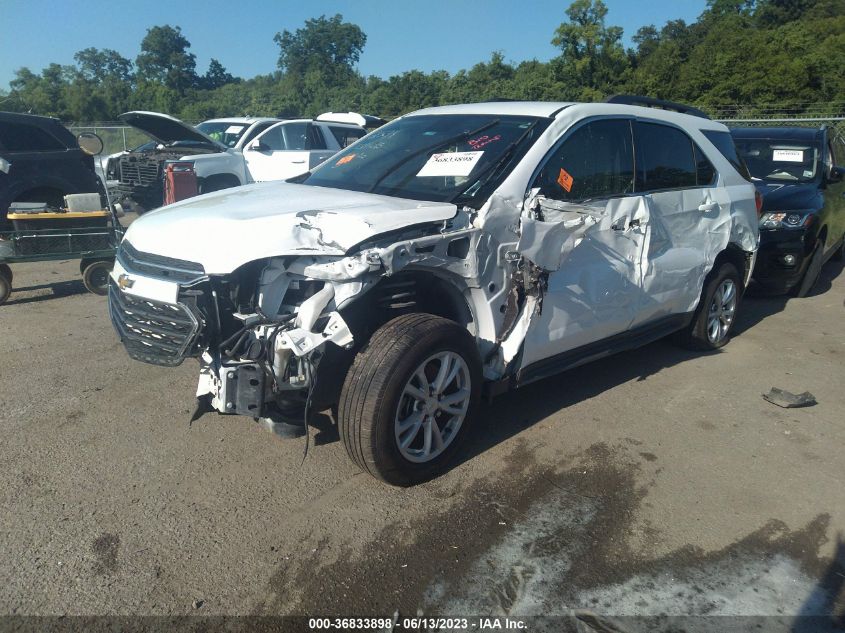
226	152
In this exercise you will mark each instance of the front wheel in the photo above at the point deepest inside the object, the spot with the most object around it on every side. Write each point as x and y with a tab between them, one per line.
714	318
408	399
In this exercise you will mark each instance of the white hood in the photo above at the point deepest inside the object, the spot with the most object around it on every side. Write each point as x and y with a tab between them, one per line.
226	229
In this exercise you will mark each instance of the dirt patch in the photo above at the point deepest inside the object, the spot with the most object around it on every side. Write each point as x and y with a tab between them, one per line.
105	548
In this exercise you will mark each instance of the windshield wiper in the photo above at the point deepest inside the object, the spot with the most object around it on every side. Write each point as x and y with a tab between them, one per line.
430	148
493	167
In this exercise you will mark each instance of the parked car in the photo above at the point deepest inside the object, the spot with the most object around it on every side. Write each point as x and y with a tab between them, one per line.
799	171
224	153
41	161
456	250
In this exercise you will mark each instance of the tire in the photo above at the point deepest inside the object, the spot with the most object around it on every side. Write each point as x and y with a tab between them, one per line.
839	253
811	275
5	283
381	391
713	310
216	183
96	276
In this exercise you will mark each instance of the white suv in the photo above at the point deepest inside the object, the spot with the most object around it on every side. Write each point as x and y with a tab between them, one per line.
456	251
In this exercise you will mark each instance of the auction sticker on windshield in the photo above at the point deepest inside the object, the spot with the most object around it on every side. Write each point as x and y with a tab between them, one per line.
788	156
450	164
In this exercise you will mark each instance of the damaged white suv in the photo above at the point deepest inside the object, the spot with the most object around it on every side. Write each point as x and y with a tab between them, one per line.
456	251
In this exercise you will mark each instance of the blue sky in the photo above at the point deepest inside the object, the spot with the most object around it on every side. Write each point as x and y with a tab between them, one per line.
401	34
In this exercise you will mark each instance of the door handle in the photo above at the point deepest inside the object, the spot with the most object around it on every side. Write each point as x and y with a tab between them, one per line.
708	206
298	162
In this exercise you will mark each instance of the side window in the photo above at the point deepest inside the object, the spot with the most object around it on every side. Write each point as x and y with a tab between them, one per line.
667	158
315	138
595	161
724	142
296	135
704	170
346	136
20	137
258	129
274	139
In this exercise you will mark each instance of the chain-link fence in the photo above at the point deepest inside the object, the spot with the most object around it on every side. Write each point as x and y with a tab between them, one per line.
116	136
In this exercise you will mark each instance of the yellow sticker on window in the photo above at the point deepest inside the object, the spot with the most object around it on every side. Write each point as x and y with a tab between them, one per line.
346	159
565	180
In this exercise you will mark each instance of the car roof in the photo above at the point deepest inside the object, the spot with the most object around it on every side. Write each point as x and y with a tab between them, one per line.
524	108
32	119
554	108
803	134
243	119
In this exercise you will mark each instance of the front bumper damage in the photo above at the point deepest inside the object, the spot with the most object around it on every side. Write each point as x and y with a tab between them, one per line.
263	352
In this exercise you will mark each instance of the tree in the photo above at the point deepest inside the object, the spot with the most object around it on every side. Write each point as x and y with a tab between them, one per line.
592	60
216	76
327	45
100	65
165	58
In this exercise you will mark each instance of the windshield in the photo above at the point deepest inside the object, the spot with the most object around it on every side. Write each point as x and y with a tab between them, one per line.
227	133
781	161
441	158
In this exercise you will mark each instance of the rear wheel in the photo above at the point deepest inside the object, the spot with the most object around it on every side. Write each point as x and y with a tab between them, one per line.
95	276
714	318
5	283
408	399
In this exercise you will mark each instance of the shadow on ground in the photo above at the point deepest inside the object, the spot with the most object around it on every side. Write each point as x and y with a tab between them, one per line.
59	289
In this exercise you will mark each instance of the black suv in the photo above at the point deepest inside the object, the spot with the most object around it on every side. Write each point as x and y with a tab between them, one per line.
40	161
799	172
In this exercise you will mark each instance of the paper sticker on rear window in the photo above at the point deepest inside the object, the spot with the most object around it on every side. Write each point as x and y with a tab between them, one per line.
788	155
234	129
346	159
450	164
565	180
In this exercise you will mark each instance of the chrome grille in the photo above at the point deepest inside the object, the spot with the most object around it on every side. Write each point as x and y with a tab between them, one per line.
158	266
138	171
153	331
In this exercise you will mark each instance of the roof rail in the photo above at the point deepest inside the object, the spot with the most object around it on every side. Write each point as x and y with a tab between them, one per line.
656	103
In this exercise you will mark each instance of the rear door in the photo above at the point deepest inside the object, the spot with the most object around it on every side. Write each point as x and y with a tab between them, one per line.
685	202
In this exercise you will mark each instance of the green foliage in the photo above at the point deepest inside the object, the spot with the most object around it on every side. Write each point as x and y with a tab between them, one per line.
748	52
165	59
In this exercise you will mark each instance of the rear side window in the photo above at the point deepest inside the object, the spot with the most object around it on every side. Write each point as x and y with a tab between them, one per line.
595	161
315	138
667	158
20	137
345	136
705	171
724	142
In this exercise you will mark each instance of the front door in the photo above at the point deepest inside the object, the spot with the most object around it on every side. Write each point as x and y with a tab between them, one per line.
281	152
583	193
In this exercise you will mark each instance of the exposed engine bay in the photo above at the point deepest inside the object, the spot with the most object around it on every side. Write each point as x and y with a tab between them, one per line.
140	174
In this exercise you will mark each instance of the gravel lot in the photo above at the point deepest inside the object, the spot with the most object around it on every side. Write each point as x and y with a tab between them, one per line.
654	482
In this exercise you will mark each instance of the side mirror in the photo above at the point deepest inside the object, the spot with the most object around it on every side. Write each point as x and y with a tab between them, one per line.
837	174
258	146
90	143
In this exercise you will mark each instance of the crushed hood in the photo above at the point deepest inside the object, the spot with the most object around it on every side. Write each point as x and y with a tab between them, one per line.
226	229
165	129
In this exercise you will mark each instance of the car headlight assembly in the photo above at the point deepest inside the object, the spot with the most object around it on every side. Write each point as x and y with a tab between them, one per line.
786	219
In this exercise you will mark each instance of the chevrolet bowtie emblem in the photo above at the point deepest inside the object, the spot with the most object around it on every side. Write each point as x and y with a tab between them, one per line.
124	281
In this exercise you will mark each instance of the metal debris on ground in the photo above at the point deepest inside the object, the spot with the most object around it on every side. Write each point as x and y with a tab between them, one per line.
789	400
